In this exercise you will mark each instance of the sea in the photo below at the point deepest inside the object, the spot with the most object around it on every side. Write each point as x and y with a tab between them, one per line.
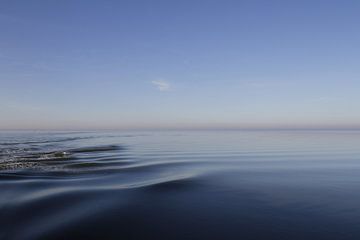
190	184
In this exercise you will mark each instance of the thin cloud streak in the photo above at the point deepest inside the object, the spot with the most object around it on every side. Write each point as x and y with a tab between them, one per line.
161	85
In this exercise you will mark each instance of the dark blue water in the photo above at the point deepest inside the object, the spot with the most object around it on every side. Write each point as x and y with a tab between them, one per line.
180	185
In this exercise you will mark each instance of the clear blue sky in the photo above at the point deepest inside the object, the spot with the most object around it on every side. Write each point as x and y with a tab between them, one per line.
179	64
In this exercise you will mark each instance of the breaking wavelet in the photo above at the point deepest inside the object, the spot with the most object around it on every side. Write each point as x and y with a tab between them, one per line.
26	158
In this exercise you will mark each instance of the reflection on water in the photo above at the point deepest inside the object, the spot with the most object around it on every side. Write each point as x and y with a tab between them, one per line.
180	185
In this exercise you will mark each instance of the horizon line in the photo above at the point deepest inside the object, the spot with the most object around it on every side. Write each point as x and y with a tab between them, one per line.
191	129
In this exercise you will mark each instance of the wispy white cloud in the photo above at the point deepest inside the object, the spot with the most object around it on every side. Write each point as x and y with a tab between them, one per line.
161	85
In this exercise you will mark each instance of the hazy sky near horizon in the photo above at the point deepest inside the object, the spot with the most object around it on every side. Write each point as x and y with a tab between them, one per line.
128	64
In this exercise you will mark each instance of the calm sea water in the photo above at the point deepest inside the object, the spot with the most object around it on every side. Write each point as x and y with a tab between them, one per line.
180	185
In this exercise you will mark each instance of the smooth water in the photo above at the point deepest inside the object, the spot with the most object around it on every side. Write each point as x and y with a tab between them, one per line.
180	185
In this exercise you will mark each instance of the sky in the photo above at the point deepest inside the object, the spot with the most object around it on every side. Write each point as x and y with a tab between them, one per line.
109	64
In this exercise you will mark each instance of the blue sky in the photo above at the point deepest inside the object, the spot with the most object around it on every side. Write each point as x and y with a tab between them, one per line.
179	64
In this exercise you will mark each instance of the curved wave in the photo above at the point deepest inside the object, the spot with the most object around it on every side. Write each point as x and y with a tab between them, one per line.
45	141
